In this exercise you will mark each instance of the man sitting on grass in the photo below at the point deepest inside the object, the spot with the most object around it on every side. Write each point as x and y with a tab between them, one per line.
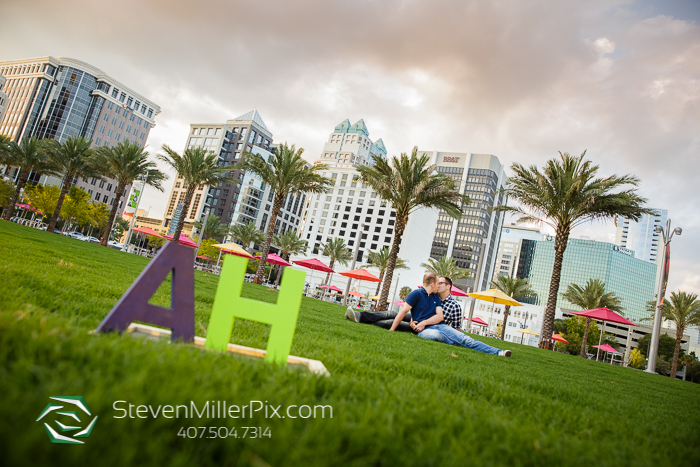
452	311
427	316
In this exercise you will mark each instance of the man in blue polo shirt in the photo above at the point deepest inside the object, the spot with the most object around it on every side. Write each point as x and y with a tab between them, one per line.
426	311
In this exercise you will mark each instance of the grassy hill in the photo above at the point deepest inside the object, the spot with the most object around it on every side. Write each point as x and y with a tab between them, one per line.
396	399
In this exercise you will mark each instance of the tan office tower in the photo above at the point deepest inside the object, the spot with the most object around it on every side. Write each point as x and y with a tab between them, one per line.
62	97
473	240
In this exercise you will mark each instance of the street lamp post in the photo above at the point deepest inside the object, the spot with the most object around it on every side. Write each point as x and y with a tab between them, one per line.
354	260
661	282
476	285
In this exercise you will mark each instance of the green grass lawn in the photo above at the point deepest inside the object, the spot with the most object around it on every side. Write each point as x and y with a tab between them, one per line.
396	399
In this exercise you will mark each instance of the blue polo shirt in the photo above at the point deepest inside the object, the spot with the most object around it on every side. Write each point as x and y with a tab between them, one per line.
423	305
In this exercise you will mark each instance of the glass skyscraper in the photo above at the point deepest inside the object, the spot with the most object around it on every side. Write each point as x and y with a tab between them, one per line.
631	279
640	236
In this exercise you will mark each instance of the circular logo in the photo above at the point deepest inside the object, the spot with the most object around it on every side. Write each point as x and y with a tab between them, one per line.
65	414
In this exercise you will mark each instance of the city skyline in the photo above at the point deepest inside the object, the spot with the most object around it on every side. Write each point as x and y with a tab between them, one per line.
616	78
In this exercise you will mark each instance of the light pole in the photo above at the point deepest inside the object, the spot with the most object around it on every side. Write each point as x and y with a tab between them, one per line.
482	253
201	235
661	282
396	288
133	218
354	260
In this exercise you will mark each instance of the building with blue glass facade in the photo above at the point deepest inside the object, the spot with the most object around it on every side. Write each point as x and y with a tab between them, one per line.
631	279
58	98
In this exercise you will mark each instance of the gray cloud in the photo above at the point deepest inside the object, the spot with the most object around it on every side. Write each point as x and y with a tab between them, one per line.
520	80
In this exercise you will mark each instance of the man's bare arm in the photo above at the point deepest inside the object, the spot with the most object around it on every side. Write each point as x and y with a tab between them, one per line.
404	309
432	320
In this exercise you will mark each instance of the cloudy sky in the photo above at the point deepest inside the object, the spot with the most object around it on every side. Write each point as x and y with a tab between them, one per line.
520	79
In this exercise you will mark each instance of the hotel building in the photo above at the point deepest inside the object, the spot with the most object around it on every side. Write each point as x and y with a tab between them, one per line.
640	236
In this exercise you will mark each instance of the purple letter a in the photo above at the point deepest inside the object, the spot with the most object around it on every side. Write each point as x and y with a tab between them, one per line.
134	304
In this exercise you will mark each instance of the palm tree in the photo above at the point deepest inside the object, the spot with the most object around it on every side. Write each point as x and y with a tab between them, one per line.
287	173
380	260
565	194
682	310
28	156
247	234
408	184
197	168
213	229
75	159
403	293
591	296
288	243
336	250
124	163
446	267
514	287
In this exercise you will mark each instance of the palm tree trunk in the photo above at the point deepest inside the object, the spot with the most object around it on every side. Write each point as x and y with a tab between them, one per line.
395	246
183	214
281	269
21	181
548	323
676	352
67	183
112	214
585	338
379	284
505	321
260	273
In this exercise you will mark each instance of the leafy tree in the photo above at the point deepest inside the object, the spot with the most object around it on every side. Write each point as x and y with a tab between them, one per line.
76	209
637	359
667	346
403	293
125	163
214	228
247	234
446	267
380	260
99	215
591	296
336	250
197	168
120	226
287	173
683	310
559	326
206	248
74	159
514	287
288	243
575	327
43	197
565	194
28	156
6	190
408	184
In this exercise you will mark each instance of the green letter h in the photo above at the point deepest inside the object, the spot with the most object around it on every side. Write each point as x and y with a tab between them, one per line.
228	304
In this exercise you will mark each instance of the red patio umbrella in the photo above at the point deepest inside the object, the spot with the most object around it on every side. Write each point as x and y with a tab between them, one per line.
361	275
457	292
332	287
148	231
558	338
604	314
479	321
274	259
206	258
313	264
183	240
606	348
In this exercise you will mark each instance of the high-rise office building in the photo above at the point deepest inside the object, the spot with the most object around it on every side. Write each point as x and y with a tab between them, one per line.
228	140
509	247
473	240
640	236
61	97
631	279
3	97
350	146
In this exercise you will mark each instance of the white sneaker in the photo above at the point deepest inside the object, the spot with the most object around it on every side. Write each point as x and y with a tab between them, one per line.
504	353
352	315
